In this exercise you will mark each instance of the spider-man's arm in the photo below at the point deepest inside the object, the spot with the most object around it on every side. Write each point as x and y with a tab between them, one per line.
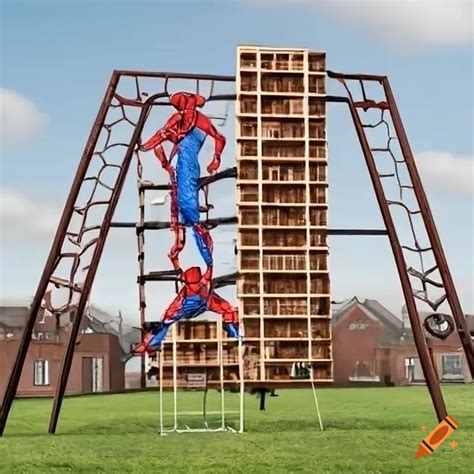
168	132
203	123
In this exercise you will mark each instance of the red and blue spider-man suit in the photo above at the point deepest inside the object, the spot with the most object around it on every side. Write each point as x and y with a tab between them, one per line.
195	297
187	129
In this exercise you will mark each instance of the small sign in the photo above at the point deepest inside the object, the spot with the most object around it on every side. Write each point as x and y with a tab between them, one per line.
196	380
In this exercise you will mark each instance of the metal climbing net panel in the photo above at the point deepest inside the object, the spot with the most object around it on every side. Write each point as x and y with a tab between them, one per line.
419	256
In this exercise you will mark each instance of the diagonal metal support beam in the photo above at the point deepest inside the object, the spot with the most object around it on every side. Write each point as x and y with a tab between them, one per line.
67	360
431	230
55	251
420	340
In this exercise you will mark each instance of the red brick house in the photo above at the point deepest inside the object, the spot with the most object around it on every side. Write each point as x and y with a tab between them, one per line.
96	367
372	345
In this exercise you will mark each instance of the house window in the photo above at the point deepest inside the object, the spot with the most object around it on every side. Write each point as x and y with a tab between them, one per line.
452	367
409	368
41	372
358	326
413	370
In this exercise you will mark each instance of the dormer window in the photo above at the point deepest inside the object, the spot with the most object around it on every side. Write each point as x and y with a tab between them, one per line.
358	326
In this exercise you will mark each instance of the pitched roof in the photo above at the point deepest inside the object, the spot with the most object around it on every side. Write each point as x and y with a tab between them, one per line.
14	317
374	309
384	315
96	319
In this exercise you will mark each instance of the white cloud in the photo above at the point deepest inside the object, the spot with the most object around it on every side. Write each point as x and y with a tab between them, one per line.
411	22
401	23
20	120
446	172
23	217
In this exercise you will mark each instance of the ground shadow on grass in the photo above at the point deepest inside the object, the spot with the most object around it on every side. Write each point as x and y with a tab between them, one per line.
109	427
132	425
137	425
116	426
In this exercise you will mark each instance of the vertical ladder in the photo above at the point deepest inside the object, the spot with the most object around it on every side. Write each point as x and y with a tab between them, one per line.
141	261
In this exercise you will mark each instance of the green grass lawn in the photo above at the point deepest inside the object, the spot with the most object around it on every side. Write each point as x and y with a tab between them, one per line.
367	430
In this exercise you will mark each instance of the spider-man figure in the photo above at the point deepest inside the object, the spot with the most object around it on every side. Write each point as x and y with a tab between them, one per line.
195	297
187	129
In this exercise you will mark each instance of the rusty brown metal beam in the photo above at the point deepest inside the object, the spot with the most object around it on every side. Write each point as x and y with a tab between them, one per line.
159	225
365	232
54	252
432	231
172	275
203	181
418	335
136	103
175	75
355	77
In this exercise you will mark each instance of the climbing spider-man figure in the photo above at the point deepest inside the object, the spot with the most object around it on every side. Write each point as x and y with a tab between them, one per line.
187	129
195	297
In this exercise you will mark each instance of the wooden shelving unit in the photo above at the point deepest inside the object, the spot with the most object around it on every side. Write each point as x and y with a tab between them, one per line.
196	346
284	290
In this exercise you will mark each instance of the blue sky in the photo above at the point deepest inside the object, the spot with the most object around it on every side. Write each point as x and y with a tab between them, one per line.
57	58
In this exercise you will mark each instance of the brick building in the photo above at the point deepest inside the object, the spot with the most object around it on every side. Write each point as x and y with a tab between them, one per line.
372	345
97	365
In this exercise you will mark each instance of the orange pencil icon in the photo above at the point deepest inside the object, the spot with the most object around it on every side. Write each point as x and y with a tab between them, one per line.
444	429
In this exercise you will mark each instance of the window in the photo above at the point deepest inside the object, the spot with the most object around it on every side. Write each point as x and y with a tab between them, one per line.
41	372
413	370
358	325
452	367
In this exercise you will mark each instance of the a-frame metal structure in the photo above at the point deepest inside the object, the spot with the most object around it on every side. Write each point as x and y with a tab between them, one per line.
115	110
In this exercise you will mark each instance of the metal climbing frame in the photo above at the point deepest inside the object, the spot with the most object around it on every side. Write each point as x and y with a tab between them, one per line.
78	243
381	114
86	219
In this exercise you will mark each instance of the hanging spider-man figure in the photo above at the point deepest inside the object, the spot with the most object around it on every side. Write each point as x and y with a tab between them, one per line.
195	297
187	129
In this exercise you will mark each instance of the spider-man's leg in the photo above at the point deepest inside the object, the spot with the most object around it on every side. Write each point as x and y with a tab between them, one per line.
178	229
188	308
229	314
154	331
179	242
204	242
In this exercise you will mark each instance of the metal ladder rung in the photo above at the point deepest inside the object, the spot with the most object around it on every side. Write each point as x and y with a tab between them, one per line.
422	277
421	295
371	104
63	283
411	249
398	203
